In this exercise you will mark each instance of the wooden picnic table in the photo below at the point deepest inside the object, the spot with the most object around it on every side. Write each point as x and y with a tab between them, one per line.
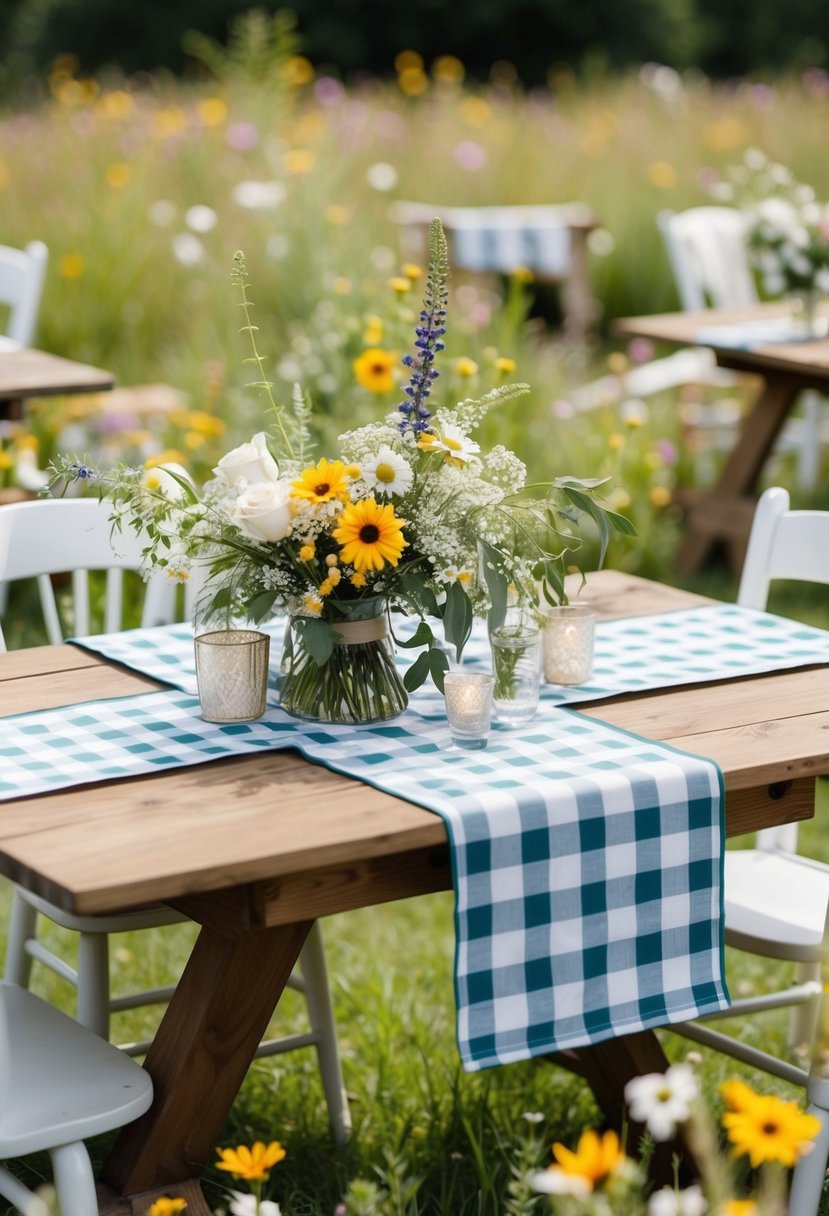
254	848
724	512
34	373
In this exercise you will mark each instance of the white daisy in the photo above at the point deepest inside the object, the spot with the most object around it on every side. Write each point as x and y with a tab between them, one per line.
668	1202
451	439
661	1101
387	472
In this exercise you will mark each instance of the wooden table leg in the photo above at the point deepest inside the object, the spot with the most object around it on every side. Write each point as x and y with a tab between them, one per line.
201	1053
607	1067
579	308
721	509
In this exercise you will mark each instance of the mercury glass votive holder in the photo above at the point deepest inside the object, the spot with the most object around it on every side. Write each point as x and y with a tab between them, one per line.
568	644
232	674
469	707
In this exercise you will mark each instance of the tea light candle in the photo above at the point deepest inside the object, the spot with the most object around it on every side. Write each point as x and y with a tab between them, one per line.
469	706
568	644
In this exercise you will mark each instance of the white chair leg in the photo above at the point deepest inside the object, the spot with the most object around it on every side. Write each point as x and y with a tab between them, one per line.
810	1171
74	1180
20	1196
93	983
22	925
803	1019
321	1013
808	449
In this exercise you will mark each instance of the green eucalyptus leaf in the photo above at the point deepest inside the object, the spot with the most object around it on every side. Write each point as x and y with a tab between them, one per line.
457	618
438	666
260	605
317	638
422	636
418	672
585	503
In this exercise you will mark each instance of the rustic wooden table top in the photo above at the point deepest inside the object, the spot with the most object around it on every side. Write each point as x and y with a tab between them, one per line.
34	373
316	842
803	360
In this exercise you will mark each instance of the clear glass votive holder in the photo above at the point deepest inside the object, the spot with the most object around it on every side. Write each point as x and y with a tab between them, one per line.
232	674
469	707
568	644
516	662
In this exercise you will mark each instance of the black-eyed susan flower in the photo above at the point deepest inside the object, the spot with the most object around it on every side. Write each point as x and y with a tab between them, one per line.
370	535
374	370
321	482
766	1128
251	1163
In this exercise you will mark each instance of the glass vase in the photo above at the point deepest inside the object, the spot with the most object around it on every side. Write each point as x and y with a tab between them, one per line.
359	682
806	316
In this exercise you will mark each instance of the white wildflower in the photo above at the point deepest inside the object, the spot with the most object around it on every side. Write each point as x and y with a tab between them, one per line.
668	1202
662	1100
387	473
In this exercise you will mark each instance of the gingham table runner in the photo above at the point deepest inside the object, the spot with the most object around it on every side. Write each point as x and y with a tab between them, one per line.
587	862
635	654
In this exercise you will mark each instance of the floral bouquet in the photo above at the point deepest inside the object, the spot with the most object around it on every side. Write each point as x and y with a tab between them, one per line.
787	229
408	515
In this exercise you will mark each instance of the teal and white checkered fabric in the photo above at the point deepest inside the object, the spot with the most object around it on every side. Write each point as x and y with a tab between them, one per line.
587	862
632	655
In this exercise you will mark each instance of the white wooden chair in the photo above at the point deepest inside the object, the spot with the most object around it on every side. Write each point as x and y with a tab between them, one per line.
51	536
59	1085
775	900
706	249
22	272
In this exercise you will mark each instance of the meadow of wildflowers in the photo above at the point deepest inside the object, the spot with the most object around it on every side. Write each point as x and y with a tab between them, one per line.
143	191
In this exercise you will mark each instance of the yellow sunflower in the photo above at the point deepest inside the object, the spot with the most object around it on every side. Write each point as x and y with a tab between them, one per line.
369	535
595	1158
251	1163
322	482
374	370
167	1206
769	1129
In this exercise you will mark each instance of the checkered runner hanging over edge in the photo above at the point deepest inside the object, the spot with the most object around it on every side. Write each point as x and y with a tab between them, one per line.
587	862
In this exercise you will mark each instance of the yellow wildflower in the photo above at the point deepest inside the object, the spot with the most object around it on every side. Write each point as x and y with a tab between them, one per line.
522	274
71	266
373	332
400	284
767	1128
660	496
321	482
298	161
374	370
662	175
6	460
615	442
326	587
413	81
411	271
466	367
251	1163
306	553
169	121
617	363
448	69
331	559
168	456
116	104
475	111
370	535
166	1206
595	1159
358	579
118	175
505	365
212	111
740	1207
407	59
299	71
193	440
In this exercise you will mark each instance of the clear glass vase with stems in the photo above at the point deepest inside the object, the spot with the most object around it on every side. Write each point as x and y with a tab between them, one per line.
358	681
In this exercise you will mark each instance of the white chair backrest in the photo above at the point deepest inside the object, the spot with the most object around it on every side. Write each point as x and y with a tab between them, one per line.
22	273
707	252
62	535
783	544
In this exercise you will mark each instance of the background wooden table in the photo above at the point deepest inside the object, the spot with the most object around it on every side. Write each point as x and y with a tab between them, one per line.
255	848
34	373
724	513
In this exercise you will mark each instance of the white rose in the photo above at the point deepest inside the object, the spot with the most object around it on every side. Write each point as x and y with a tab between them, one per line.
251	460
158	478
263	511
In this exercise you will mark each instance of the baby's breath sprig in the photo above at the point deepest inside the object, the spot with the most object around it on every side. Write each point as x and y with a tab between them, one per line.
239	276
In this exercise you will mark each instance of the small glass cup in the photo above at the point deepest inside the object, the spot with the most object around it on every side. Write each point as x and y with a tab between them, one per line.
232	674
469	707
568	644
516	659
